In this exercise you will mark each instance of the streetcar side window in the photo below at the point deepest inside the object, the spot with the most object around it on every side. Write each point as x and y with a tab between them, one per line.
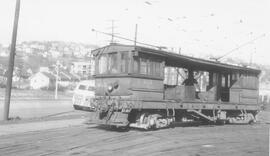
147	66
158	70
136	65
143	66
223	81
234	78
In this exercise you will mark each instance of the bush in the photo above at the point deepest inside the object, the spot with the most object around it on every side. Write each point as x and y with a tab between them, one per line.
60	88
44	88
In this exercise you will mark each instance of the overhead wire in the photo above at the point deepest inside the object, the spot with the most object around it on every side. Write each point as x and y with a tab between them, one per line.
240	46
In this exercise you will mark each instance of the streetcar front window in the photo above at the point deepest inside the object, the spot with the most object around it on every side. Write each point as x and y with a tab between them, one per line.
124	62
112	63
102	64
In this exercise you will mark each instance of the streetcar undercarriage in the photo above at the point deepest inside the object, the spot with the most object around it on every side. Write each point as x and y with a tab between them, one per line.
162	118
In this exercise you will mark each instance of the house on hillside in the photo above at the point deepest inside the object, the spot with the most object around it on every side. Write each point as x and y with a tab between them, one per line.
19	78
42	80
67	79
44	69
55	53
3	53
83	69
3	77
47	80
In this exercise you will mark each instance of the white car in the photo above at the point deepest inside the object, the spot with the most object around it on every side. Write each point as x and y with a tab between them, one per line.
83	95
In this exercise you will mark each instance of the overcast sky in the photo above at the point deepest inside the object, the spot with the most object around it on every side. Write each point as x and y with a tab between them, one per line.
208	27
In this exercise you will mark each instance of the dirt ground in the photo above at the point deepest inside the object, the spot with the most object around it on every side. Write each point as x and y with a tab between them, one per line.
83	139
36	108
35	94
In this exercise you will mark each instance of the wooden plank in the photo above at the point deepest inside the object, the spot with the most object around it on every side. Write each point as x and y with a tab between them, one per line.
180	93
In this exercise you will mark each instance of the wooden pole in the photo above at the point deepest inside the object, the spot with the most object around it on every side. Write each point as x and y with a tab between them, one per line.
11	61
56	80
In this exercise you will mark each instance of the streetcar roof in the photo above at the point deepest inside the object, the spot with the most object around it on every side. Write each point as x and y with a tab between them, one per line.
178	60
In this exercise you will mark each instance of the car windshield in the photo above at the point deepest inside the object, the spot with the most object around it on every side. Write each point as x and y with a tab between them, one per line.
90	88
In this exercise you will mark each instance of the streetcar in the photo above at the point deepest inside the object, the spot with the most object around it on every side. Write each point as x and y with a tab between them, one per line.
131	89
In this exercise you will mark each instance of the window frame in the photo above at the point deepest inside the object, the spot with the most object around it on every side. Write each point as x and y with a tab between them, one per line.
109	65
143	66
126	61
148	66
119	69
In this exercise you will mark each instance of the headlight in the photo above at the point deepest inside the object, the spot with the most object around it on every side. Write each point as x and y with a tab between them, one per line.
110	88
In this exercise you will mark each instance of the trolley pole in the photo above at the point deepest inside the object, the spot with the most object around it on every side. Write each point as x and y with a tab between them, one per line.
112	40
11	61
135	38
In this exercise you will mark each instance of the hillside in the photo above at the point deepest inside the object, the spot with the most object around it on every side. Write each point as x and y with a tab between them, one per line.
35	54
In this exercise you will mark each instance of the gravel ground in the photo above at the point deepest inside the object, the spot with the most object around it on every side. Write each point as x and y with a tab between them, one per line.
72	137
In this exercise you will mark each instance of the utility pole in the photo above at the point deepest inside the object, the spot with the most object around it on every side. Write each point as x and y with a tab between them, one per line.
135	39
11	61
56	80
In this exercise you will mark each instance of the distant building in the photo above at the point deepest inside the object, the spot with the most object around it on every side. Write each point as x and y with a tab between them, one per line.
3	76
29	71
47	80
82	68
44	69
42	80
3	52
55	54
28	50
